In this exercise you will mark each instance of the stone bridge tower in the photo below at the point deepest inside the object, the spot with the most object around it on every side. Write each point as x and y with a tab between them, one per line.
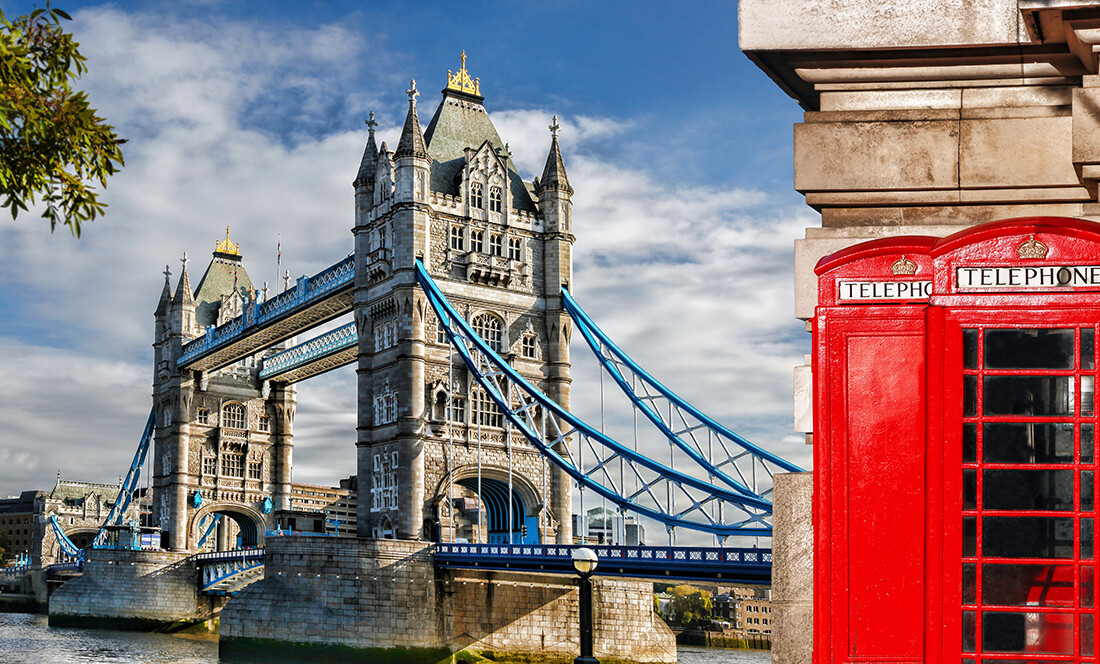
500	248
223	439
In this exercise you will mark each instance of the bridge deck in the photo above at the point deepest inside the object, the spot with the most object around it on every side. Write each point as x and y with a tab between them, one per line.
329	351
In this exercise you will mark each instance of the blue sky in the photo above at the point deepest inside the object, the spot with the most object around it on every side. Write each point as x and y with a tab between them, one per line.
251	115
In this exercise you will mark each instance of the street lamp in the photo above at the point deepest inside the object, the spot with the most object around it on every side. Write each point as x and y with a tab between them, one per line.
585	561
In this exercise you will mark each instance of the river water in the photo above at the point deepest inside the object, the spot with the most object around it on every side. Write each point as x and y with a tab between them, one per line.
26	639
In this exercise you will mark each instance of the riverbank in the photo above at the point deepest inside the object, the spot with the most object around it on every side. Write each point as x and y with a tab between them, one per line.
721	640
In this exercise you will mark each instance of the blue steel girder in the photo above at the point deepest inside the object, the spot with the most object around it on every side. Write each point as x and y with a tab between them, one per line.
313	301
326	352
724	454
736	565
661	493
225	572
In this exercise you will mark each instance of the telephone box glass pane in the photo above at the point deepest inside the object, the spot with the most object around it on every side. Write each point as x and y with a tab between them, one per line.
1028	395
970	443
1039	490
1086	634
1086	539
970	349
970	631
1009	632
1027	585
970	575
1027	537
1028	442
1087	398
970	489
1086	585
1028	349
1088	349
970	396
1086	490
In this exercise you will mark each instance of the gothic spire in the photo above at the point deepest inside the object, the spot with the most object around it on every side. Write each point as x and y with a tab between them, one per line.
553	174
165	293
370	157
412	139
183	290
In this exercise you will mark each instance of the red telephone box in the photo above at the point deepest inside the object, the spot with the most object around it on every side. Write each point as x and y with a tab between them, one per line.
954	443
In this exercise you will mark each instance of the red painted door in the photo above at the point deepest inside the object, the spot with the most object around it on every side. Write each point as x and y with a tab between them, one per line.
1019	471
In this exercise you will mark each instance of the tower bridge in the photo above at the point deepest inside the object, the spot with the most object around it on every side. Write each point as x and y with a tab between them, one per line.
458	289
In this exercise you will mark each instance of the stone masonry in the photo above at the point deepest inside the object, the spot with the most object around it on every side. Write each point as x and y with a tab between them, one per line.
385	594
144	590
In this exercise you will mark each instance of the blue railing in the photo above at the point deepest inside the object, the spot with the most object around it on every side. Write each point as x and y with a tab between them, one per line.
327	344
737	564
73	566
219	566
307	291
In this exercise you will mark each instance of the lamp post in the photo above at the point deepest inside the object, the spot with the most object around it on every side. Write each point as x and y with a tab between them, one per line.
585	561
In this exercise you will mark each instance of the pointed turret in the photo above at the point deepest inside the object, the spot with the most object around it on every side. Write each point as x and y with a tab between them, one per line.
367	166
184	294
412	139
553	174
165	295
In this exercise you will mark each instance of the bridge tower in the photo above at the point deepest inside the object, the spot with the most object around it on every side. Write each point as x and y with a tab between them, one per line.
435	458
223	439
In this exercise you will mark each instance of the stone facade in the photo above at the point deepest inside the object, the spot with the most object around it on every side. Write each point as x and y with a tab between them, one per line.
145	590
500	249
383	594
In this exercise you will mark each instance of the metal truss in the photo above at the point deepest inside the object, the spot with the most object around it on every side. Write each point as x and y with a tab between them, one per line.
206	527
316	356
226	572
63	540
314	300
660	493
724	455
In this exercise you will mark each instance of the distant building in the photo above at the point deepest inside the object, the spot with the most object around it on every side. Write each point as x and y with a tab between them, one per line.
603	526
315	508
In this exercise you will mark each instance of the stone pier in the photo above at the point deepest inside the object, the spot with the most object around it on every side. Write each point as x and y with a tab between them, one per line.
139	590
385	598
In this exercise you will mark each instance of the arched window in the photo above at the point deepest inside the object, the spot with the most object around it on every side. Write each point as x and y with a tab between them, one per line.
483	410
488	327
530	346
495	199
477	241
233	416
202	416
476	195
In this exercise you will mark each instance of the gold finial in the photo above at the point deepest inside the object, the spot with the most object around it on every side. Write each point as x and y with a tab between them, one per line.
228	246
461	81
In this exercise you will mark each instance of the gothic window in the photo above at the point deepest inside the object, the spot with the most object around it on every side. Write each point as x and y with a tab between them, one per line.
495	199
476	199
488	327
458	409
385	335
384	482
458	241
255	470
202	416
477	241
530	347
381	238
265	424
385	408
484	411
210	465
233	416
515	249
496	244
233	464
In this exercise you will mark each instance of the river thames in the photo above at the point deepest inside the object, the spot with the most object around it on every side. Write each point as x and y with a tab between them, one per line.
26	639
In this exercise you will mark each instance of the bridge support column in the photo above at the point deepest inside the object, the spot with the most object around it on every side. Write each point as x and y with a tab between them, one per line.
793	569
385	597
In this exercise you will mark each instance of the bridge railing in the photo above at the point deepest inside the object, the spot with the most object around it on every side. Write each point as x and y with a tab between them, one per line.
324	345
673	562
307	291
220	556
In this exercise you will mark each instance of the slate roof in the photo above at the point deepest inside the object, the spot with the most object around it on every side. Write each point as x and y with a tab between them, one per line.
218	281
460	122
411	142
70	490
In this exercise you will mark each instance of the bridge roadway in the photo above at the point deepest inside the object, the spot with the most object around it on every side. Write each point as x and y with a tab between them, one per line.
225	572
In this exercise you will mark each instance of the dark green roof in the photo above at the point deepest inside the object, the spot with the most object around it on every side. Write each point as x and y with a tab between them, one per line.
461	122
70	490
217	281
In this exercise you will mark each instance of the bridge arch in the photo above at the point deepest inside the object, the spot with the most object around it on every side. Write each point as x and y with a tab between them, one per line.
493	527
250	523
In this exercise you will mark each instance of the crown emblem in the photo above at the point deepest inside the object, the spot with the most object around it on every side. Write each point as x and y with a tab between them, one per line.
903	266
461	80
228	246
1031	249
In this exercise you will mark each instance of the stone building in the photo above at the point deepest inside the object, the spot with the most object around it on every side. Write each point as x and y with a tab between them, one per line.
223	438
433	450
921	118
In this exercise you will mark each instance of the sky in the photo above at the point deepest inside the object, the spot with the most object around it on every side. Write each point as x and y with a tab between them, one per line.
252	114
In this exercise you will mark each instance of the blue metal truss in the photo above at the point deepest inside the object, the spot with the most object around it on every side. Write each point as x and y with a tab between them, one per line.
724	454
63	540
209	523
130	483
225	572
325	345
663	494
309	291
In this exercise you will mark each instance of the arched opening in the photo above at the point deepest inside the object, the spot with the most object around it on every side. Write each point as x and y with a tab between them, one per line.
225	527
384	529
497	516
